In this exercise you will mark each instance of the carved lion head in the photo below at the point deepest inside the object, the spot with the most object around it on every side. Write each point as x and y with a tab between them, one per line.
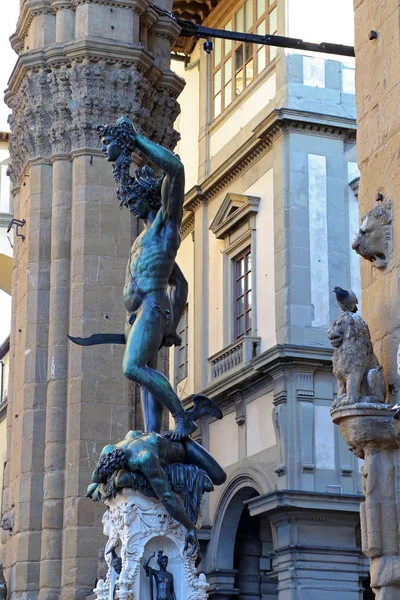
373	239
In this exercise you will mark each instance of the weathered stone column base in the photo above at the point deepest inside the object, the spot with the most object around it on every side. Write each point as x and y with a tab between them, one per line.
385	577
139	526
373	434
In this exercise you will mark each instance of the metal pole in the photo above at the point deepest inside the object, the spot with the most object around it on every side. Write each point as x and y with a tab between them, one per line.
190	29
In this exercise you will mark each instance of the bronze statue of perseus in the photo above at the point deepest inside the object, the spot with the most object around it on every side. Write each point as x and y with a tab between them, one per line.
155	291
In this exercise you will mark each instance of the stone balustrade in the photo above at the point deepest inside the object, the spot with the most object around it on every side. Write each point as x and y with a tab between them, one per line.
235	356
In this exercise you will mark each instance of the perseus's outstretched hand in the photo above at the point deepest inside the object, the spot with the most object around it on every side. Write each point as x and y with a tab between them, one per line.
192	546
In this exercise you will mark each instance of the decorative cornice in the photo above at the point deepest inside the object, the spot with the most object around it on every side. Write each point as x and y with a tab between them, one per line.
17	43
172	82
297	500
57	5
30	9
355	184
136	5
225	221
264	135
166	28
76	153
149	18
96	49
187	224
271	363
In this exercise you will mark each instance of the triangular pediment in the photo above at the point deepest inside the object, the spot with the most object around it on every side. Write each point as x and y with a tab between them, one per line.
233	210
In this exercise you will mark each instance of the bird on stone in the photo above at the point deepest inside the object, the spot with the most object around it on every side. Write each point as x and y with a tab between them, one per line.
346	299
396	408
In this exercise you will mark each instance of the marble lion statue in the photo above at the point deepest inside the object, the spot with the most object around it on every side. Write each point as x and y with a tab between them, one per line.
357	370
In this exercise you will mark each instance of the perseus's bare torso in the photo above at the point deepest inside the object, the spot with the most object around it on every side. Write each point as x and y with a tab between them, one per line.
151	260
163	584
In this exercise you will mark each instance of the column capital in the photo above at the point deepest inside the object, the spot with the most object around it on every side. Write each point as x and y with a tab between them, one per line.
57	5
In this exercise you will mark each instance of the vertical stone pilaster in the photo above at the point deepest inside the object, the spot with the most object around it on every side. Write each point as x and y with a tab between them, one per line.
28	416
56	407
201	300
65	19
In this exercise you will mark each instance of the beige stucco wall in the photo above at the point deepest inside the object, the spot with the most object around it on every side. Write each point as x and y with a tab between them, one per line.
187	123
265	259
3	425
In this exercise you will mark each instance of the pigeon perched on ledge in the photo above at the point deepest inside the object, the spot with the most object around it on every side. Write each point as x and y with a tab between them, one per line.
347	300
396	407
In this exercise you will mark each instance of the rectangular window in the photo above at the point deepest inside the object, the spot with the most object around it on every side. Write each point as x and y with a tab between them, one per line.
242	295
235	64
181	352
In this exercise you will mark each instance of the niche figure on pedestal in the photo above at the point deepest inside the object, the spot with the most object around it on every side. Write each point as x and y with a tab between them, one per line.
163	580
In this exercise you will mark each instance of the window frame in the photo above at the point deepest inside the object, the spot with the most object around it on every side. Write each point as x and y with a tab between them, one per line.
230	55
247	275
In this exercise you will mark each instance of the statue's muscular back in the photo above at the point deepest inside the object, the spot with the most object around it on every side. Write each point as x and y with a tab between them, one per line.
151	261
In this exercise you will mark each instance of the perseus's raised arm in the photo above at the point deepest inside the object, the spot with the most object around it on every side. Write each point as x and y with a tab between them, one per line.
173	188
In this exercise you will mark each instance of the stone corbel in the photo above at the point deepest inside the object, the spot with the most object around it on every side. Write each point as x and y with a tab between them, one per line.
149	18
165	27
17	43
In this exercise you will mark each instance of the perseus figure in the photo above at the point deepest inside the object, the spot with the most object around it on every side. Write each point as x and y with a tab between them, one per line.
164	581
155	291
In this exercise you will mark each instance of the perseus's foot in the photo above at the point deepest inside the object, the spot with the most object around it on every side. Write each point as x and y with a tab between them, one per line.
184	426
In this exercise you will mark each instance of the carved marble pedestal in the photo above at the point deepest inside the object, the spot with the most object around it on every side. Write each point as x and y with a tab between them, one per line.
140	526
373	434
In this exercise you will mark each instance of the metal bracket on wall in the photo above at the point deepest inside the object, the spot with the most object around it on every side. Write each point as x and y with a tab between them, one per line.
190	29
18	223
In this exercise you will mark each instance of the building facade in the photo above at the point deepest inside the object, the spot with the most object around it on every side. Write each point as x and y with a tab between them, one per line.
271	211
268	142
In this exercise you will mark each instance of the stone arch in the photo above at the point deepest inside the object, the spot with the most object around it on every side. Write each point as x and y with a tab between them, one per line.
243	485
6	273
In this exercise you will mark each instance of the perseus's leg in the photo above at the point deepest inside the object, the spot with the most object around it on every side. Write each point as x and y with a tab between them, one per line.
197	455
150	467
142	344
152	409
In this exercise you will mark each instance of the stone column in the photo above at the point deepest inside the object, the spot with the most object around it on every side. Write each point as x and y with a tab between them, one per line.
373	434
378	116
65	20
68	402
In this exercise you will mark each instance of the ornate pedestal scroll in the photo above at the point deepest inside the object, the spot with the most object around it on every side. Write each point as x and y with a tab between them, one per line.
138	526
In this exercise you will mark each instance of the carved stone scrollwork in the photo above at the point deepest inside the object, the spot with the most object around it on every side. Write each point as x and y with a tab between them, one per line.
56	110
136	524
